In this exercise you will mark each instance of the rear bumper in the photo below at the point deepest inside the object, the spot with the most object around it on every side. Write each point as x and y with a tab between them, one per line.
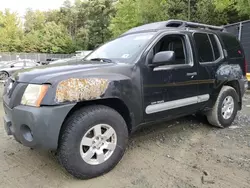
36	127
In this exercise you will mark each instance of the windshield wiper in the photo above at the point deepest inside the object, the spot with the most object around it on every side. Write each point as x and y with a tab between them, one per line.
102	60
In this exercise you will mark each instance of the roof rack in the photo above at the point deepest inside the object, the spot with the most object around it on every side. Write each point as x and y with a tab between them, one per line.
173	24
181	23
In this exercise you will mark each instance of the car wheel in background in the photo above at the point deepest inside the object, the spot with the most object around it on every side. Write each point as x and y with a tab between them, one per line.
4	75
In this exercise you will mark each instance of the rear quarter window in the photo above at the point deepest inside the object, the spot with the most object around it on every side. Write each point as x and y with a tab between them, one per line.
232	46
208	47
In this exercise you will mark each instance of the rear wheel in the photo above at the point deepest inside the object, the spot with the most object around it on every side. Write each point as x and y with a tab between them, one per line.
225	109
93	141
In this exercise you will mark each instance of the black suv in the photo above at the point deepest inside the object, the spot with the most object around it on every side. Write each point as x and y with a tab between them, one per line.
87	109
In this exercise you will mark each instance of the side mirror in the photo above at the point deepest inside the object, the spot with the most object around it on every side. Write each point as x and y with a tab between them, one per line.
163	58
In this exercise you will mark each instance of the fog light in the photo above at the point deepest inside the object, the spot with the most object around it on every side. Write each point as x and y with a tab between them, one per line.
27	133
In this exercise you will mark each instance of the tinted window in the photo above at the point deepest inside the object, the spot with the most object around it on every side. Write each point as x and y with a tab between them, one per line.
215	46
204	48
232	46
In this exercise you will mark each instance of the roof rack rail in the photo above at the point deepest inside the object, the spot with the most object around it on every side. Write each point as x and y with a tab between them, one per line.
181	23
174	24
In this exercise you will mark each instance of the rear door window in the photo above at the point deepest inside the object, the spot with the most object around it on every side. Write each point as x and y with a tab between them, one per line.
215	46
207	47
204	48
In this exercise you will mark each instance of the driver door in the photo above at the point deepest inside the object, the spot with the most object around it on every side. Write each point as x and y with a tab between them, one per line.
170	90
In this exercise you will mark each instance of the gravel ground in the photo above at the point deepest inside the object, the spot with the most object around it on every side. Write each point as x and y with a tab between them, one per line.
183	153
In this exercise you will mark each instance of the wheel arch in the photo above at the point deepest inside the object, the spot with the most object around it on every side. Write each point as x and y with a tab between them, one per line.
114	103
235	84
229	75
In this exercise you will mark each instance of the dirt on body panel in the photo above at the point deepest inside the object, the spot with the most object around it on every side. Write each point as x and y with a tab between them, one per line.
77	89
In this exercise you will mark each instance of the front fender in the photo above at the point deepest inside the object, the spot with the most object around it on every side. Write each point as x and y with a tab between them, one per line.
91	88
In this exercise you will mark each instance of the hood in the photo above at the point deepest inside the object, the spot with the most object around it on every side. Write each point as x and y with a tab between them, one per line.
52	73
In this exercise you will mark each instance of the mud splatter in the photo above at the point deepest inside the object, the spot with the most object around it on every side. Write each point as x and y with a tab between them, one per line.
77	89
233	71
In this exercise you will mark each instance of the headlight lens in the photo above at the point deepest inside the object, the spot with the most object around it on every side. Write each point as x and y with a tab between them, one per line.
34	94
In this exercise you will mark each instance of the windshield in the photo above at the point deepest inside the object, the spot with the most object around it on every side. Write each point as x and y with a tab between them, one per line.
123	49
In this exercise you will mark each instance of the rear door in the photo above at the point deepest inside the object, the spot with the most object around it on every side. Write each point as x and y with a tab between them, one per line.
209	55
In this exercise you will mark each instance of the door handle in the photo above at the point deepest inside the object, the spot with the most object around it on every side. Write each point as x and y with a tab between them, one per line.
191	73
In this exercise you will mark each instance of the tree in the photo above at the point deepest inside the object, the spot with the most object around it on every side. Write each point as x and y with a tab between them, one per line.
34	20
99	16
136	12
44	32
68	17
206	12
11	33
152	11
236	10
243	7
54	39
53	16
127	16
31	42
178	9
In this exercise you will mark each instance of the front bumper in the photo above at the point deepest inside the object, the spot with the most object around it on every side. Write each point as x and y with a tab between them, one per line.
36	127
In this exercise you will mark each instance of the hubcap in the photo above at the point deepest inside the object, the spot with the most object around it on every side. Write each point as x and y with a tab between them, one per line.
98	144
227	107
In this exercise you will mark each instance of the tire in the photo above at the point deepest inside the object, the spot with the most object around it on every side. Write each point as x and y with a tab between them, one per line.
216	117
76	127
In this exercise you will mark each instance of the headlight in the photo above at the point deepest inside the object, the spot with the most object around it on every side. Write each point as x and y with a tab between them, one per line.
34	94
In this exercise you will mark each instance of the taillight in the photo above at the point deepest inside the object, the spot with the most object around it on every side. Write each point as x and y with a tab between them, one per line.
245	66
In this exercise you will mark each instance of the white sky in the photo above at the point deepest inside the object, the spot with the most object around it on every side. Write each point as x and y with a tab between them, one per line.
20	6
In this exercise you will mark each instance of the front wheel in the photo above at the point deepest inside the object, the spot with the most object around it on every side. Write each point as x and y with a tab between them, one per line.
93	141
225	108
